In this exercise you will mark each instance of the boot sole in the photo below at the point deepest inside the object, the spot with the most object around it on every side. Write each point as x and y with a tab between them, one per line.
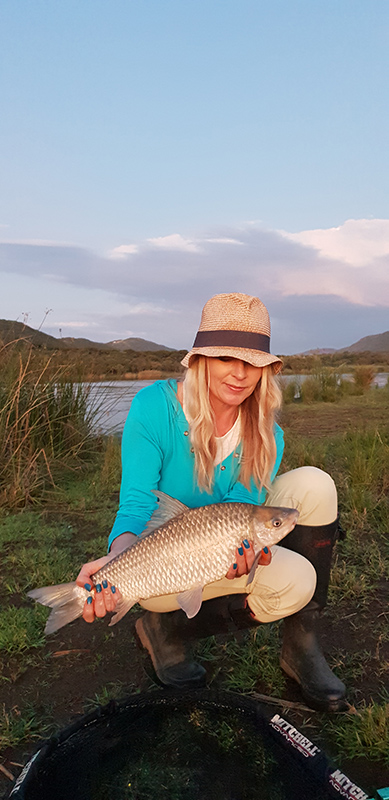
331	706
141	644
286	668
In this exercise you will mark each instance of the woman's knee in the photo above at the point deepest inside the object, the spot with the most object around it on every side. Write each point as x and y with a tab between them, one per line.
309	489
286	591
320	505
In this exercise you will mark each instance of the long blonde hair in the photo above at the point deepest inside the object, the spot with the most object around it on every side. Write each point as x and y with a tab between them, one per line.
258	411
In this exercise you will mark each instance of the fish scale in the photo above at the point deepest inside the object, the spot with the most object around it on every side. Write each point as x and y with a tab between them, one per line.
193	548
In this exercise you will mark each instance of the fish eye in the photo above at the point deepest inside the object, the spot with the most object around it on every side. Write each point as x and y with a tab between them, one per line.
277	523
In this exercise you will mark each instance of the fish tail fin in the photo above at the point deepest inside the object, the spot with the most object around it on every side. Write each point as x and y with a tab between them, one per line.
66	600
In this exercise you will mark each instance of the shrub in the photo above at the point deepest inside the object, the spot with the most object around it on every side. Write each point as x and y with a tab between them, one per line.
291	391
363	378
324	385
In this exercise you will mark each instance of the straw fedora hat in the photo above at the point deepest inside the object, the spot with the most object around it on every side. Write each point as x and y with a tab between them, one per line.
235	325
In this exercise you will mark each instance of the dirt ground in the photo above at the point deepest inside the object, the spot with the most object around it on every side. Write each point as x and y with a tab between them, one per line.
80	660
306	420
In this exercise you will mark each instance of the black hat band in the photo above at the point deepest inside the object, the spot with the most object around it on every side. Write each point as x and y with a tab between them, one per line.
243	339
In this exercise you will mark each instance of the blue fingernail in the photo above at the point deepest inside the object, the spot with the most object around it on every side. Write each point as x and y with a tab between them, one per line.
265	549
246	544
240	551
113	589
105	584
89	600
98	588
88	587
234	566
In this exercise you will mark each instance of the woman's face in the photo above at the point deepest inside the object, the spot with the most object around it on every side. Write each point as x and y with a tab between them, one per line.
231	381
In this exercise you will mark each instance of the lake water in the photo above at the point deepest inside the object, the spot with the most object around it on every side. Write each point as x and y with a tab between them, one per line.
113	399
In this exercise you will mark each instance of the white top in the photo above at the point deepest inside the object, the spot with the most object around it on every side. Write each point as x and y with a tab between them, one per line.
225	445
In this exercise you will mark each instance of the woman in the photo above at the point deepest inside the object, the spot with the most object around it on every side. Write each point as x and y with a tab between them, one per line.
213	438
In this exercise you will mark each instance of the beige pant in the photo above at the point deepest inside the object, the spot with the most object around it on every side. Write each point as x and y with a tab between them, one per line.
287	584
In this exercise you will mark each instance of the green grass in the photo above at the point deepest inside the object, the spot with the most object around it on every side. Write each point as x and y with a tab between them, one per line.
256	653
113	690
18	726
21	629
364	733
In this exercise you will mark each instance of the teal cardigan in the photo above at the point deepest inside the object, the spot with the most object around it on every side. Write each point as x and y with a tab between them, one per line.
156	454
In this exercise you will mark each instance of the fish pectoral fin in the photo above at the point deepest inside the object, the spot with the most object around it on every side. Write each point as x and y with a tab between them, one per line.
190	601
251	574
121	609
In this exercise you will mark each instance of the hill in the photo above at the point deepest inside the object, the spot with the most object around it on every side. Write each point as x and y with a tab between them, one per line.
379	343
81	344
318	351
11	331
136	344
139	345
18	331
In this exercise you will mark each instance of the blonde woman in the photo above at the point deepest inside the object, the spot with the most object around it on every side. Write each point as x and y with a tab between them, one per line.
214	438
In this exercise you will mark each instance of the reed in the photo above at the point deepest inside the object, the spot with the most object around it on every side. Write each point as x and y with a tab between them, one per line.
45	422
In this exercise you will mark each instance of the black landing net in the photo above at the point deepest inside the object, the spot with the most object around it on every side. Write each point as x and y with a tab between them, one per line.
166	745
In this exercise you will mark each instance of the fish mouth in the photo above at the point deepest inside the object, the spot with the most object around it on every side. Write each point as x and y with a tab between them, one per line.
294	519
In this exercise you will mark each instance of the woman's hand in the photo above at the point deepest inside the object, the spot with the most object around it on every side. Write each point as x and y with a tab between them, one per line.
104	596
244	560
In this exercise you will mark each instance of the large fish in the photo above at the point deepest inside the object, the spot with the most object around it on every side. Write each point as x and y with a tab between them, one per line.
180	552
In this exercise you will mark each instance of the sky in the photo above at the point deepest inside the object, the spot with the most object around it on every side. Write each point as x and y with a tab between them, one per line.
154	153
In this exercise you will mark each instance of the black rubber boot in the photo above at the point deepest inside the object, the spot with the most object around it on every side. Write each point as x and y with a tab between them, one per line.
166	637
302	657
169	653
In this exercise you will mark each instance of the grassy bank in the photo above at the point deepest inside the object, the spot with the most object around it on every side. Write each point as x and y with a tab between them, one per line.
45	683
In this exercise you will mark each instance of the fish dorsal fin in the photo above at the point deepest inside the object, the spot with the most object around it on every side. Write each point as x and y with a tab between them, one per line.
190	601
167	508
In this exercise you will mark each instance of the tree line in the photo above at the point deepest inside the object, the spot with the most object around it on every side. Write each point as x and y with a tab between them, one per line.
94	364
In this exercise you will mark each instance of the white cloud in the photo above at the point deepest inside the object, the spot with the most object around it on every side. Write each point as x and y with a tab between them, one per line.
140	309
123	251
356	242
157	292
175	242
305	283
224	240
72	324
37	242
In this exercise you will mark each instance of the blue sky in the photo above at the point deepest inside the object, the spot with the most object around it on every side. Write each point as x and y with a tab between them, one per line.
155	153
